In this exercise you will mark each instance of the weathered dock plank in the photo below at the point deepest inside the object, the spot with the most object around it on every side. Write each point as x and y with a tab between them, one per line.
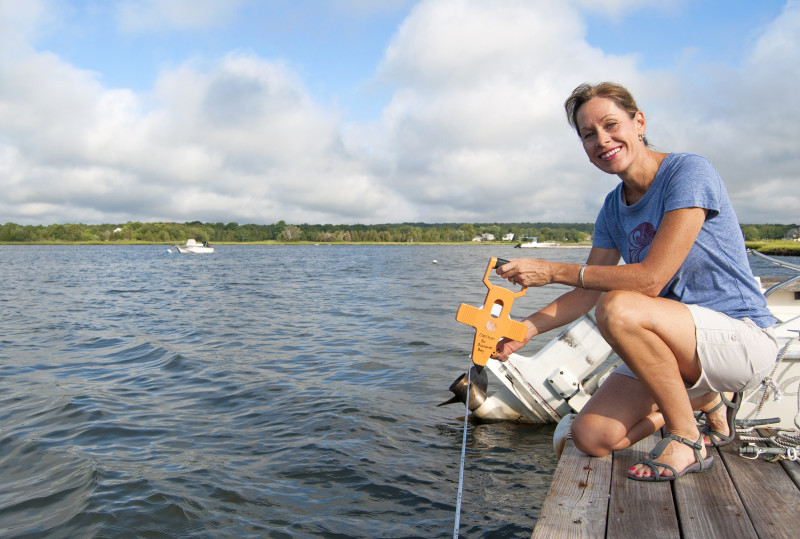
592	497
638	508
768	493
708	505
793	470
577	503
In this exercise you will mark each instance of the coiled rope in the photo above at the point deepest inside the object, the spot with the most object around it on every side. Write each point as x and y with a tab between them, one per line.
769	381
787	441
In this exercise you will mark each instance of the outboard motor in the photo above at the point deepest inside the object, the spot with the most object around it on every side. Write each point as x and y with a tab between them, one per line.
478	383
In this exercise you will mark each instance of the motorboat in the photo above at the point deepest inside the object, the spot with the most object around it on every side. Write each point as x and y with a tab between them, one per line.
192	246
533	242
556	382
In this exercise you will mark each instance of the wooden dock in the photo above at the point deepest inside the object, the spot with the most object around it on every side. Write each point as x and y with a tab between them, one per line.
737	497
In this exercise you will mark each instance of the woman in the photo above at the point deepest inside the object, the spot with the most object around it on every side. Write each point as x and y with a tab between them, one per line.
684	312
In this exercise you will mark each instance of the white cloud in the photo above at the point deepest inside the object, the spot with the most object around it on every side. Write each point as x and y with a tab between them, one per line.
743	119
238	137
614	9
157	15
18	20
477	124
475	129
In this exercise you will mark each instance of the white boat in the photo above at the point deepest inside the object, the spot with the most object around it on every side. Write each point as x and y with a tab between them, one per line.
556	382
534	242
193	247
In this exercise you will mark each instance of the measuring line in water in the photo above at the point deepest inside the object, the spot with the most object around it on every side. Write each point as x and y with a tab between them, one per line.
463	453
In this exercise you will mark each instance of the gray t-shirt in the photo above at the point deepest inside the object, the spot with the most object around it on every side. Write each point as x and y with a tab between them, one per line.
716	273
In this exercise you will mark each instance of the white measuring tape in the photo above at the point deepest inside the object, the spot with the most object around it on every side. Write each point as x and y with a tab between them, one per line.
463	453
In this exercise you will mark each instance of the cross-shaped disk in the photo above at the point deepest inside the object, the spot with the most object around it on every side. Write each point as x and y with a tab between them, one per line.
491	326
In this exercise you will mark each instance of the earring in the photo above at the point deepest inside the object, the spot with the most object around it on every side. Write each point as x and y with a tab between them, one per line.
641	136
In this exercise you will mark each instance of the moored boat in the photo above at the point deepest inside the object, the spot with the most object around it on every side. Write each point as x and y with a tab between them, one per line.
556	382
533	242
193	247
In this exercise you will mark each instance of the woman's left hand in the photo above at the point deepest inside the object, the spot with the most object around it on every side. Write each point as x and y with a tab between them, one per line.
527	271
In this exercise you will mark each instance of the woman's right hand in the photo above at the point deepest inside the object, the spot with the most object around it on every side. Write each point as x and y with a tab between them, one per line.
505	348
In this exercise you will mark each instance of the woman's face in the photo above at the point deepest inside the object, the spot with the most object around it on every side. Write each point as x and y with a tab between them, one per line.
610	136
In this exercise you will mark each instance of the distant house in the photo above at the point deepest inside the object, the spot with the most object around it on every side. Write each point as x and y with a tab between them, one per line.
508	237
117	230
484	237
791	234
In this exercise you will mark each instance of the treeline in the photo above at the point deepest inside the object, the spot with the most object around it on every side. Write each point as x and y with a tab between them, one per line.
769	232
282	232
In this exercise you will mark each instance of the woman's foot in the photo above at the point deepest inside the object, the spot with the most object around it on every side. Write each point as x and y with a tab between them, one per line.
719	428
673	457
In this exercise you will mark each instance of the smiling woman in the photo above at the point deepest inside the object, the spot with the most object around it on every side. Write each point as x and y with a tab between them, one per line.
685	276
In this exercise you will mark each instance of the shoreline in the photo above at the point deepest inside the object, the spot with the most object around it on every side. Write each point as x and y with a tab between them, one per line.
317	243
772	248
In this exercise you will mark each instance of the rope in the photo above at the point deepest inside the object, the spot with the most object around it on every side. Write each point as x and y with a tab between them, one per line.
797	415
769	381
787	441
463	454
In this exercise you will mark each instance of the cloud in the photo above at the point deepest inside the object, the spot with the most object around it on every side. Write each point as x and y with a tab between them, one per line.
474	129
156	15
237	138
18	20
614	9
742	118
478	112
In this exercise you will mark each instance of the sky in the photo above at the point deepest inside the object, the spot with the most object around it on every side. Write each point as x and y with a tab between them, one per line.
369	111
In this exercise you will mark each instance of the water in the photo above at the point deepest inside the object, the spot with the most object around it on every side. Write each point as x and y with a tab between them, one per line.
262	391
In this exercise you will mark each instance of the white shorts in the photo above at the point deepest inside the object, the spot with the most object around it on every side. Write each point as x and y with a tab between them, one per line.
735	355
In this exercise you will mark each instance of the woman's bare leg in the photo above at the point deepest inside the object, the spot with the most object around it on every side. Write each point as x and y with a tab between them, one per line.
655	337
620	413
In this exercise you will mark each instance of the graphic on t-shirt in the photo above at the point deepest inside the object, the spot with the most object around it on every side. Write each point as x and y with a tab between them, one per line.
639	240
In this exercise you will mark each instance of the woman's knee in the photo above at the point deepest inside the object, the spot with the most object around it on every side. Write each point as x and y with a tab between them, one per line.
616	311
590	437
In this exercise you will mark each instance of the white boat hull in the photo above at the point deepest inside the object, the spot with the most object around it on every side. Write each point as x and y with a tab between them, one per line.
560	378
549	386
192	247
535	245
194	250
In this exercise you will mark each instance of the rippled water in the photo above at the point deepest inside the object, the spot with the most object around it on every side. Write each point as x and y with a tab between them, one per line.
262	391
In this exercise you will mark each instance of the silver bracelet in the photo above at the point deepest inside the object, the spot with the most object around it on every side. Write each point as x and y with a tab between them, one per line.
580	276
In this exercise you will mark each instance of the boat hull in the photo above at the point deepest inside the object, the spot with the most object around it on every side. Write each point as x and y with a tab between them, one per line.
561	377
549	386
192	247
194	250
